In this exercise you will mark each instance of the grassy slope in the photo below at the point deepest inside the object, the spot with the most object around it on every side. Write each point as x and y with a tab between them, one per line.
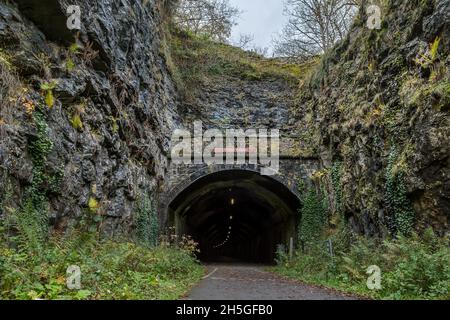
109	270
35	269
194	60
411	268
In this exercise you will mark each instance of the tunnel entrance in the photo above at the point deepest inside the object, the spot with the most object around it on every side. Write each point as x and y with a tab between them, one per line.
236	216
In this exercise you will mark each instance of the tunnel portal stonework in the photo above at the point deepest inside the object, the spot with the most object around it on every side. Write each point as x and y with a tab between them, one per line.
194	198
234	103
179	177
197	203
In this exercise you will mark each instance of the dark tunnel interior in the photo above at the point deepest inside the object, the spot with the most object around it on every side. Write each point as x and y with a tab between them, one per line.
236	216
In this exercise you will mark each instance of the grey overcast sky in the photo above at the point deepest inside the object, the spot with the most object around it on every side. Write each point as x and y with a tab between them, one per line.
260	18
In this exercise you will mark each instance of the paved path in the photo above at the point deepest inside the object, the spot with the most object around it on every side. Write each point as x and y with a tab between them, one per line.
250	282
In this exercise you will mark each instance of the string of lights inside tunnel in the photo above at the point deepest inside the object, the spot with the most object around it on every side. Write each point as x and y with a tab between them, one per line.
230	228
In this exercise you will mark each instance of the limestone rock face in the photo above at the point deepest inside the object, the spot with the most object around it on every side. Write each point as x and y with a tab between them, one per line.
233	103
115	105
379	104
107	105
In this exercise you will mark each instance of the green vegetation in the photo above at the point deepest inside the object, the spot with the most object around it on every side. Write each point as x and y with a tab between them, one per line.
428	57
70	65
76	122
421	94
411	268
347	90
48	87
73	50
93	205
34	263
114	124
336	173
76	112
147	224
31	218
430	86
194	59
398	206
109	269
313	217
32	215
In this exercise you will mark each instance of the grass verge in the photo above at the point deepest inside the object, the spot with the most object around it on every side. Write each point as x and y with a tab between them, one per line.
110	270
412	268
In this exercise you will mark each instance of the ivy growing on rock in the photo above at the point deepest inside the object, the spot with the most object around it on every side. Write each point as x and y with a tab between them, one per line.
313	217
336	173
31	220
40	147
147	223
398	206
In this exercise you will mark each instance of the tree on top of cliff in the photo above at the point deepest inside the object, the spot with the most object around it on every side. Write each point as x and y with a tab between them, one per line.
213	18
314	26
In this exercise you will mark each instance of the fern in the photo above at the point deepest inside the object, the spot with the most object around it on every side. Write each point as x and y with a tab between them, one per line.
31	227
434	48
48	88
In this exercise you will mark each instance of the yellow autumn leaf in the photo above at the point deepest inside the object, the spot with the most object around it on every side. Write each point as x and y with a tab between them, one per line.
434	48
49	99
93	205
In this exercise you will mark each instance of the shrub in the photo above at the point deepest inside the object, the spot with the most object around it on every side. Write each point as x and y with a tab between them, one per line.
412	267
33	264
313	217
401	213
421	270
109	270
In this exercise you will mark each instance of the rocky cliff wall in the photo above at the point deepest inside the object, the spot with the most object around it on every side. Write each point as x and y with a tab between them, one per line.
379	107
374	113
103	141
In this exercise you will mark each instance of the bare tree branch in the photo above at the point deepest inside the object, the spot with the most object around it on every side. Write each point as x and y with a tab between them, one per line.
214	18
314	26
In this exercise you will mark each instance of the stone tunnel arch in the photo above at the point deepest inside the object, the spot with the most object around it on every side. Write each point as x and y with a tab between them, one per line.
235	214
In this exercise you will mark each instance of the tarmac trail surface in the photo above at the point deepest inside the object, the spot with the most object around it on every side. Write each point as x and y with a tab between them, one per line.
253	282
